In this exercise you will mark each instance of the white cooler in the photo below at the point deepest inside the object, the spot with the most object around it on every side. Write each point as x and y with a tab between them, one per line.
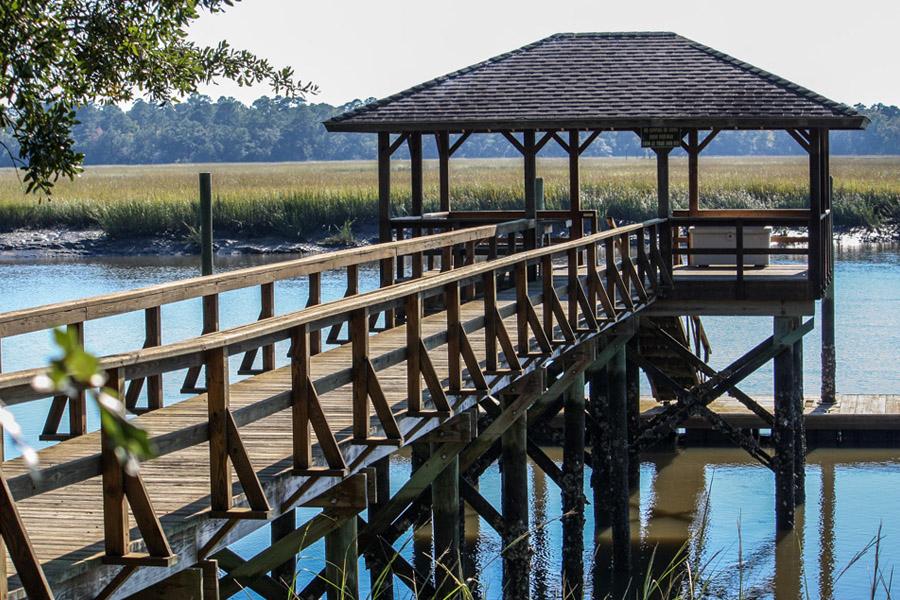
724	237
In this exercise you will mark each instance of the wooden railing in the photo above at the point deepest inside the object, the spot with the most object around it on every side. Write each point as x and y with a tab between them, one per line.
411	226
407	254
606	276
810	245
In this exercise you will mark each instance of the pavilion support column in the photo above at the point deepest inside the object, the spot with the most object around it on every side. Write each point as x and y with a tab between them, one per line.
341	562
443	145
693	172
282	526
815	211
514	485
386	266
530	158
829	358
573	499
415	173
664	207
784	431
577	230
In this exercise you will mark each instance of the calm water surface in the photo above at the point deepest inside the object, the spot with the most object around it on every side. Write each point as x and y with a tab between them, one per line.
850	493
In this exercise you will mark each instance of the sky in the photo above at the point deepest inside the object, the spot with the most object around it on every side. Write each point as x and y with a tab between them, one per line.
846	51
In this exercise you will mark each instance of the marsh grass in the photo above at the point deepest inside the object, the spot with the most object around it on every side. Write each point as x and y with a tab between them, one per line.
298	200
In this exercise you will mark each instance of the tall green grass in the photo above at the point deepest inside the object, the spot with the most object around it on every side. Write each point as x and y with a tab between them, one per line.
300	200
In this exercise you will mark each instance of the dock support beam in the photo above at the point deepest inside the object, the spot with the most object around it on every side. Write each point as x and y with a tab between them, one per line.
829	359
618	455
573	491
341	562
514	483
381	584
633	411
281	527
445	521
788	425
422	530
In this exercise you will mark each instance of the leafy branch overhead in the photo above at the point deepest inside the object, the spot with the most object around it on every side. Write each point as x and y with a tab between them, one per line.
56	56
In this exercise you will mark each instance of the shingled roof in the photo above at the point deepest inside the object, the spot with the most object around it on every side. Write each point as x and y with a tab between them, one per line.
603	81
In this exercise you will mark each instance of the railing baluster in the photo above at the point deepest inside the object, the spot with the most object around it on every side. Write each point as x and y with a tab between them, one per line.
451	302
521	276
267	302
315	298
413	358
572	260
489	283
546	306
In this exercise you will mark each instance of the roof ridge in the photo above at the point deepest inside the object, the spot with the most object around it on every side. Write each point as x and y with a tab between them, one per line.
787	84
449	76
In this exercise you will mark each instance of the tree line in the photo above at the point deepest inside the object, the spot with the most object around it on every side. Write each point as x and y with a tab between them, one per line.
284	129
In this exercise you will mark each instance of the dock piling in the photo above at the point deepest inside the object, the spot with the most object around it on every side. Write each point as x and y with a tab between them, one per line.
341	564
573	500
514	483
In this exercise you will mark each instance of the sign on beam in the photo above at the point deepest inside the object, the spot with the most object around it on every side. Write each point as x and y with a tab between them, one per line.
661	137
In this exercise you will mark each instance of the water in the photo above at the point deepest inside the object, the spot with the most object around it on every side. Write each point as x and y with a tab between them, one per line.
856	490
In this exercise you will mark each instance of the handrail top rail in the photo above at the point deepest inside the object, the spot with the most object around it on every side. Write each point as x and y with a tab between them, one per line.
305	316
94	307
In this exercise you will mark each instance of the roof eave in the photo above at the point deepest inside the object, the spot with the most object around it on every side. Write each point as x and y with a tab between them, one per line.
770	123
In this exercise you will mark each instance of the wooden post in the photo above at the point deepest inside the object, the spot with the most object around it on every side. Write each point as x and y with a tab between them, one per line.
618	455
601	467
693	173
633	391
783	436
664	209
386	266
573	499
514	483
341	562
815	211
829	358
421	530
443	143
381	585
206	225
414	142
577	230
359	340
78	402
281	527
217	404
445	511
530	160
800	423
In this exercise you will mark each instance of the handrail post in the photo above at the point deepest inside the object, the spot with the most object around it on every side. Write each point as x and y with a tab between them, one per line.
739	256
359	339
489	283
302	446
451	302
115	509
413	358
217	399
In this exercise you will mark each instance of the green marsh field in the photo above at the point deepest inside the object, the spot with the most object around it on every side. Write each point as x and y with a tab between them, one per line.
306	200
